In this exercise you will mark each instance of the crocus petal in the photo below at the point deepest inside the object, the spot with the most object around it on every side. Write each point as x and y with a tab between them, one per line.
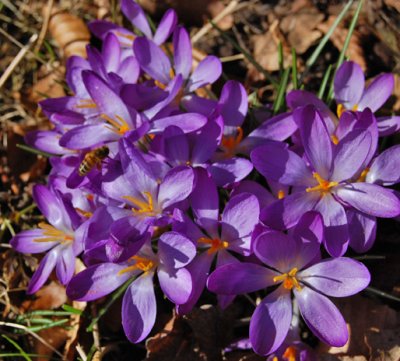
139	308
206	209
24	242
47	141
370	198
205	142
225	258
182	52
377	92
111	53
276	249
277	128
314	136
199	269
349	84
176	186
385	168
233	103
362	230
175	283
238	278
207	72
188	122
42	273
286	212
88	136
175	250
337	277
264	197
350	155
309	233
388	125
129	70
101	27
270	322
136	15
49	205
141	97
230	171
98	281
65	266
152	59
300	98
176	145
336	227
281	165
165	27
240	216
105	98
322	317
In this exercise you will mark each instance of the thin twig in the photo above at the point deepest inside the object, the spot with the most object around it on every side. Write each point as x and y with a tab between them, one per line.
17	60
229	9
26	329
45	25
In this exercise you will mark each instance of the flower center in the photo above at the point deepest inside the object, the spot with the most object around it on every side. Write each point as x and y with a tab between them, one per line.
119	126
334	139
230	142
323	186
141	263
215	244
341	109
290	353
289	279
281	194
142	207
53	234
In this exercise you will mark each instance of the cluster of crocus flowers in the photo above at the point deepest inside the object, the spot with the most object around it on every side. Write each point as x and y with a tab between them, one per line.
153	183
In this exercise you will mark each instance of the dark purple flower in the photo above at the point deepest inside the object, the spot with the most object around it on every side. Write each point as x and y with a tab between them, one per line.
293	265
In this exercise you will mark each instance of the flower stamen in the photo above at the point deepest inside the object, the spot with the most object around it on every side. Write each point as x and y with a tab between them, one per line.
230	142
216	244
53	234
324	186
289	279
119	126
143	207
141	263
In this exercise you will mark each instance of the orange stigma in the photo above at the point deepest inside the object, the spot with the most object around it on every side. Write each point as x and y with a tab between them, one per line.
216	244
141	263
143	207
289	280
53	234
230	142
290	353
324	186
119	126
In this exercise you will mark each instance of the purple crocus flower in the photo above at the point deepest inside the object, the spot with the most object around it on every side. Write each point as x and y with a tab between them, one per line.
139	303
323	180
215	236
61	238
293	264
350	94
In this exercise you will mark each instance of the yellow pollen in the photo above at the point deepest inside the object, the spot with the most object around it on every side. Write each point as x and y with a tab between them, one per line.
290	353
86	104
334	139
216	244
144	208
289	279
275	358
324	185
90	197
341	109
53	234
354	108
363	175
141	263
281	194
119	126
230	142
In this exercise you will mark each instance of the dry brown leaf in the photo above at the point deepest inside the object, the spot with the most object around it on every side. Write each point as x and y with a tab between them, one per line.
49	297
384	344
355	51
216	7
69	32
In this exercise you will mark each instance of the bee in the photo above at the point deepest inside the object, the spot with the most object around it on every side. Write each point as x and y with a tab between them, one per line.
92	159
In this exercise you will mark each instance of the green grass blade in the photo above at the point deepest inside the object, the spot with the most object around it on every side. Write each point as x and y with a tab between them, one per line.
36	151
324	82
280	58
346	45
314	56
72	310
247	55
18	347
112	299
50	325
279	100
294	69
